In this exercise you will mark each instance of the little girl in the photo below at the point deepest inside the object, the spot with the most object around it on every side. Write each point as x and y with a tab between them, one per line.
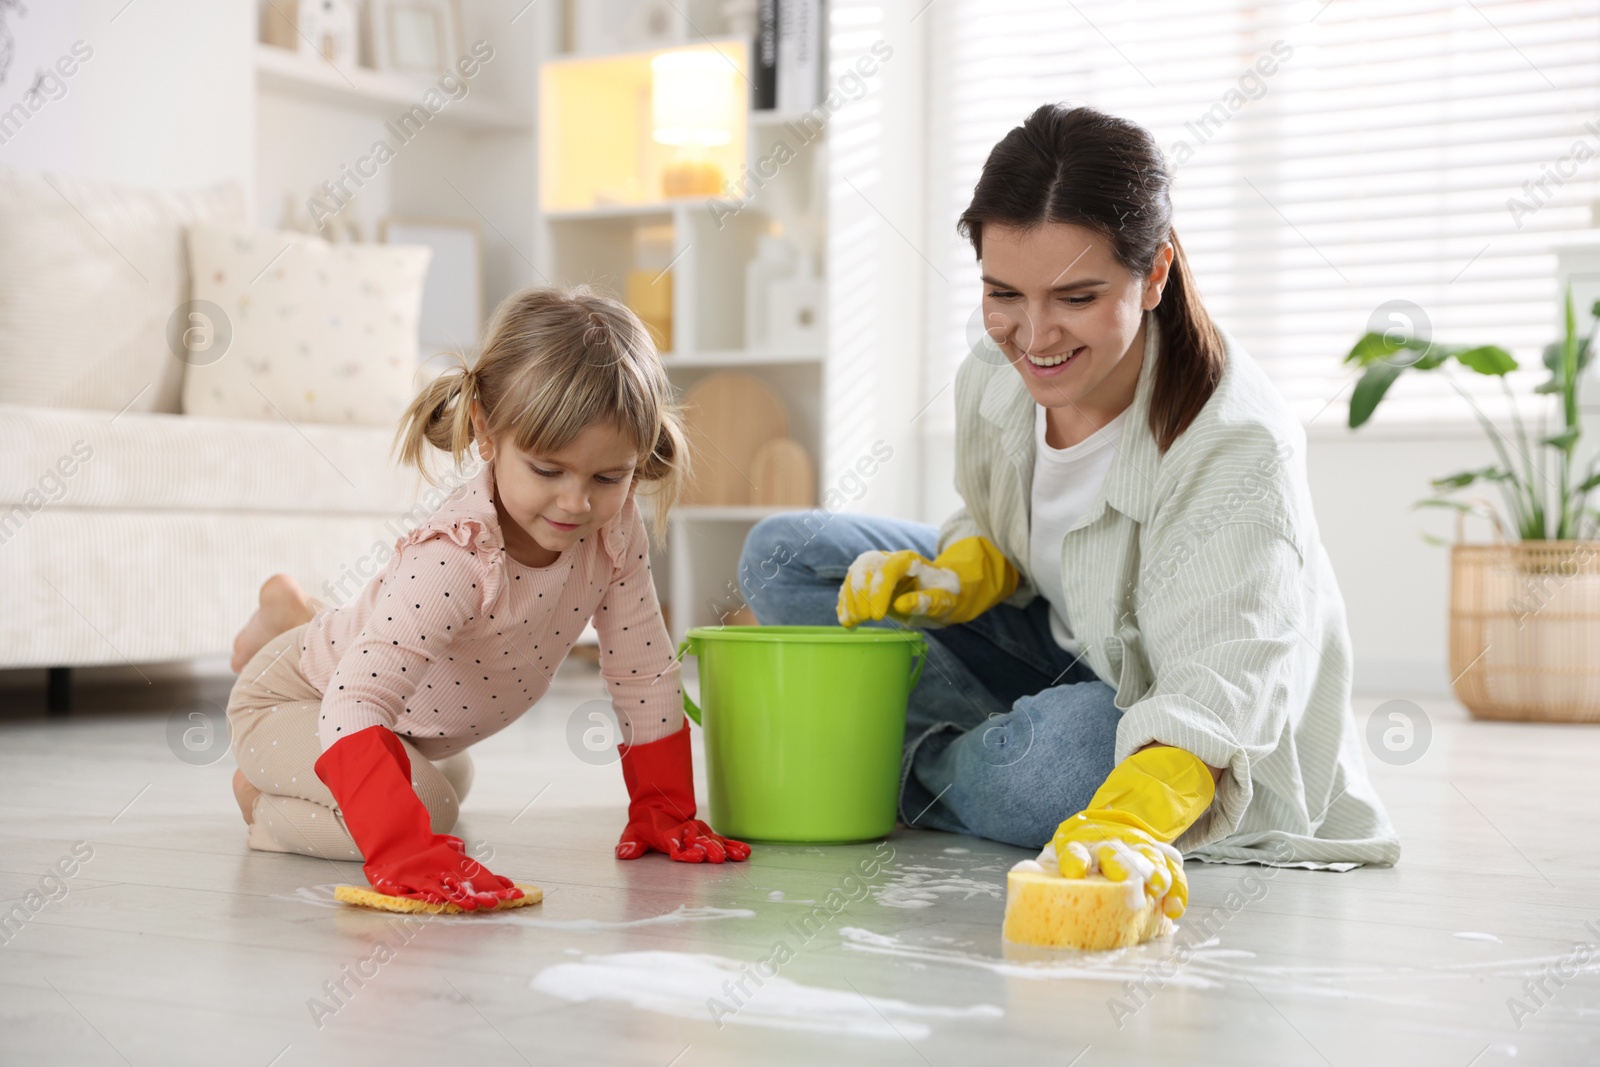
350	724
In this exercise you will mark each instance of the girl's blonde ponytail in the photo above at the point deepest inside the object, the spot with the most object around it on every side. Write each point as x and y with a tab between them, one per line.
441	416
665	471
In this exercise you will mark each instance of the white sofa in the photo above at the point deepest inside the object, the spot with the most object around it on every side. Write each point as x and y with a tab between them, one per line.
139	535
142	537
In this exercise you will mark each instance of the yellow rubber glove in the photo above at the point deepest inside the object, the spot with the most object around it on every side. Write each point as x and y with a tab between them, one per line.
1129	826
966	580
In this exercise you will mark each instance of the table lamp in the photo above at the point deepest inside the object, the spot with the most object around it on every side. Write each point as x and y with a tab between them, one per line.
691	108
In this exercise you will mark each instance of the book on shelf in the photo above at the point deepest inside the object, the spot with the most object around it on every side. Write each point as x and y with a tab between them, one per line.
764	83
800	51
787	64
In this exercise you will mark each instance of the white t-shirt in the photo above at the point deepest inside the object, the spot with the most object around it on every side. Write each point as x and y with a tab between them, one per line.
1065	482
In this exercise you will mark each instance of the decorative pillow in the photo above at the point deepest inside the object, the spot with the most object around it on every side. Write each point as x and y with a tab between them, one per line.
288	326
90	275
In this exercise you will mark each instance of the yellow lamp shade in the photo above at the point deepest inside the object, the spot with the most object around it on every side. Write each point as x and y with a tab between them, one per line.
692	97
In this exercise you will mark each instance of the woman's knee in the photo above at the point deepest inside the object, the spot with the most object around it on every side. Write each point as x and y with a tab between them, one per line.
1041	762
1074	728
818	544
774	544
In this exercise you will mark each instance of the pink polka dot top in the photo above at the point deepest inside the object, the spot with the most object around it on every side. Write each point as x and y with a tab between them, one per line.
453	639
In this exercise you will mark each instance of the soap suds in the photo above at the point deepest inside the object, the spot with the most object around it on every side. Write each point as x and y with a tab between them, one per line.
322	897
1210	966
690	986
682	914
930	577
1118	965
957	851
914	886
1137	866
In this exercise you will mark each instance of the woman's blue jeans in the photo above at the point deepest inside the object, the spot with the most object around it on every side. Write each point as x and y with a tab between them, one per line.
1007	734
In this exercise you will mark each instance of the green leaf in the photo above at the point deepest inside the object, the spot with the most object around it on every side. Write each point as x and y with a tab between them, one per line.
1563	441
1432	356
1376	346
1589	483
1466	508
1370	389
1553	351
1487	359
1462	479
1371	346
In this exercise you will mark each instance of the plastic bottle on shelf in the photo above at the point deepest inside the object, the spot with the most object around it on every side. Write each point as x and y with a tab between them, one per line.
776	258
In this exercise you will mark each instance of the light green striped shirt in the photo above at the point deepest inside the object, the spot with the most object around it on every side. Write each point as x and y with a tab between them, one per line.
1198	587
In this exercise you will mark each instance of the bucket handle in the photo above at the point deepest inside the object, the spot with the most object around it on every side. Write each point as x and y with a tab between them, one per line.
919	650
690	708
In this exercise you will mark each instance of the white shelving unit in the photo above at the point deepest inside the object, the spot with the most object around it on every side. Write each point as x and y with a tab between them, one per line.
712	241
471	161
280	71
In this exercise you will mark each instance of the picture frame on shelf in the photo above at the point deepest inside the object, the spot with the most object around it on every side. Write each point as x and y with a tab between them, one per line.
331	30
596	27
452	295
414	38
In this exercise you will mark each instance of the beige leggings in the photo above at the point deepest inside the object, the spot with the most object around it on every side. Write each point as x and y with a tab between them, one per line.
272	716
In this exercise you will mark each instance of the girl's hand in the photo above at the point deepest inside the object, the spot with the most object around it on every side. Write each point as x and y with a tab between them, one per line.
660	781
369	774
443	873
688	841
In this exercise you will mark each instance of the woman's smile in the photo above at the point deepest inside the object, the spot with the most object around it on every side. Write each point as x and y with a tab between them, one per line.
1048	366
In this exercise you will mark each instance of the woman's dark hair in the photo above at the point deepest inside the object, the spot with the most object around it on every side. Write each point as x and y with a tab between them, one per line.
1082	166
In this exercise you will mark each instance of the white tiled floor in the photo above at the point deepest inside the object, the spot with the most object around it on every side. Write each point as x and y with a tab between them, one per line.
176	945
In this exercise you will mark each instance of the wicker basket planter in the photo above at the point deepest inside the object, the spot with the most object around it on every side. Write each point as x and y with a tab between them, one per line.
1525	630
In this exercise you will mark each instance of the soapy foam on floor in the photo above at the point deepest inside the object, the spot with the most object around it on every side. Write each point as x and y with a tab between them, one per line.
683	914
686	984
1119	965
322	896
915	886
1210	966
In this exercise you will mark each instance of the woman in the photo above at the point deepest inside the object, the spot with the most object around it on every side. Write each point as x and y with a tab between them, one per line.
1135	636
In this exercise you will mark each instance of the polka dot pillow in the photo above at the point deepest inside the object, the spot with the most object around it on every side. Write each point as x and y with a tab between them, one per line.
289	326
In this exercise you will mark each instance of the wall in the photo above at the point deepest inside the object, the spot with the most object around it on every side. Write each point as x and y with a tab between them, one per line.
164	99
444	173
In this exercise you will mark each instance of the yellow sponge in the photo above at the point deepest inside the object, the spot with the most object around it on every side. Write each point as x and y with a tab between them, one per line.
371	898
1092	913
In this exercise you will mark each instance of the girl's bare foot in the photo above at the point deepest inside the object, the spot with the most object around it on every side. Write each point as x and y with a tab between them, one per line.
283	606
245	794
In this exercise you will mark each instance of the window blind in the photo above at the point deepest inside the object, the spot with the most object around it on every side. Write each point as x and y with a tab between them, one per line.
1421	152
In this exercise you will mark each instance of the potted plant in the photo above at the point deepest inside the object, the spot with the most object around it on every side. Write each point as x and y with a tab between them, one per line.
1524	611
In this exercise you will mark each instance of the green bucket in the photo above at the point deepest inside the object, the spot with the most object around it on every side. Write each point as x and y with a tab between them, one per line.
803	728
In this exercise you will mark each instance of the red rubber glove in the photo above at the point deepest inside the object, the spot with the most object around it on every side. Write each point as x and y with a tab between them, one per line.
369	774
660	779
